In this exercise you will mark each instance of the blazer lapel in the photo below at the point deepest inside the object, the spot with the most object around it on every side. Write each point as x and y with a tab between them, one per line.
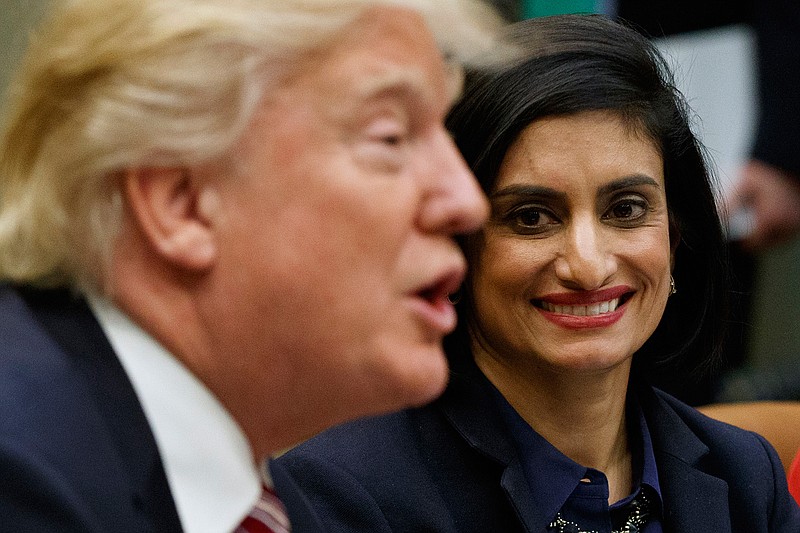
302	513
694	500
469	407
525	503
70	323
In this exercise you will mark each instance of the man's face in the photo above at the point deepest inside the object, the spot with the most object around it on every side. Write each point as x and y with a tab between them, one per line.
337	250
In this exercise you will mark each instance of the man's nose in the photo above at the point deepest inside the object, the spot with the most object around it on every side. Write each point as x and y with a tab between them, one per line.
453	200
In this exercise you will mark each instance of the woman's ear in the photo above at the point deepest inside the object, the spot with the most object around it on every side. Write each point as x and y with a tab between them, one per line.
168	206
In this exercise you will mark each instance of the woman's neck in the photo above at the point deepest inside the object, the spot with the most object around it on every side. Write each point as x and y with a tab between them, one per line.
581	415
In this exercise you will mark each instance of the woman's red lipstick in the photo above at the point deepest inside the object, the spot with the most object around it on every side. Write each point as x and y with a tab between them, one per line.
585	309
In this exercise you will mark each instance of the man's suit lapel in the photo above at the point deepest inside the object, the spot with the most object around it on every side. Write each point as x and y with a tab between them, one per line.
694	500
71	324
303	516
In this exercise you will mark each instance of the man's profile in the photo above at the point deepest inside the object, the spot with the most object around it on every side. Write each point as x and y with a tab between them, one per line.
224	226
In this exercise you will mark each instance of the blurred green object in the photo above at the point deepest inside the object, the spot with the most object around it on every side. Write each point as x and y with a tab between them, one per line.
544	8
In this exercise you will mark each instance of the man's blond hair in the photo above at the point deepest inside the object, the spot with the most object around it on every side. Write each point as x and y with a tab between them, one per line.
113	84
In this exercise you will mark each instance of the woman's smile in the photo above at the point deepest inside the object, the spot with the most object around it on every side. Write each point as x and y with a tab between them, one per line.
591	308
594	315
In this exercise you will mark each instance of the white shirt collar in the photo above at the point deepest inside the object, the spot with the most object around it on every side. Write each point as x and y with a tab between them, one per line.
207	459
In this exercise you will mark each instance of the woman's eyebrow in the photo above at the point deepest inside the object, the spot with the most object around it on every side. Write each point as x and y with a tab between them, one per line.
634	180
539	191
526	190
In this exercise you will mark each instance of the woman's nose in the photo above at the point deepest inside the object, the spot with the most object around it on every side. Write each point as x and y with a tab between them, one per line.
585	261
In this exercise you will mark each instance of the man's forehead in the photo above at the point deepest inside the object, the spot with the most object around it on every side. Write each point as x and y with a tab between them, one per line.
398	52
414	77
400	59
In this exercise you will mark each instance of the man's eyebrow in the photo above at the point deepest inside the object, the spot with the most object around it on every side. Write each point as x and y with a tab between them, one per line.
406	81
414	83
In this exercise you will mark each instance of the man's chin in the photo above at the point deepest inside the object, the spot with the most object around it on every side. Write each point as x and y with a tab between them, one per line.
424	378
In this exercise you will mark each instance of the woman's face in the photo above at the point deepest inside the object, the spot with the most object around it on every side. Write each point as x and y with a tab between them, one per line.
572	272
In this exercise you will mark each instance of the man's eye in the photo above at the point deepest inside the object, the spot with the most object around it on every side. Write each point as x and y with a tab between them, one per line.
392	140
387	131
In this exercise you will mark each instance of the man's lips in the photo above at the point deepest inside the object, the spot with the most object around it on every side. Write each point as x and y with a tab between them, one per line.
445	284
431	302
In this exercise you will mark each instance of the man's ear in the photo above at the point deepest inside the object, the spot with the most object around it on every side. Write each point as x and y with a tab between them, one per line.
167	205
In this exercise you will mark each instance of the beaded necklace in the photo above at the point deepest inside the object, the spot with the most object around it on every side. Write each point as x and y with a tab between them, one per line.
639	513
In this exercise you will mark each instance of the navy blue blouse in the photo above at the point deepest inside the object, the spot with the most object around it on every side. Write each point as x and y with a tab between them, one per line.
576	495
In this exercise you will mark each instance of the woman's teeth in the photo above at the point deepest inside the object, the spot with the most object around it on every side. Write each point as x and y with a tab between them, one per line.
582	310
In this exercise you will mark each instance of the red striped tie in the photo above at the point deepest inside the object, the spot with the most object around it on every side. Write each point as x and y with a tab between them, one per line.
268	516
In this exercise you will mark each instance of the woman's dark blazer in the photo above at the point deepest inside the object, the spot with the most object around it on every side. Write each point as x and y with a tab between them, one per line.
452	467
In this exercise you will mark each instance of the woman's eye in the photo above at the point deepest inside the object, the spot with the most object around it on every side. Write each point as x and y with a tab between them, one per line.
627	210
531	218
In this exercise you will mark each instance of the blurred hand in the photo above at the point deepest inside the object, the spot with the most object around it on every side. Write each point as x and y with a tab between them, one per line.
771	196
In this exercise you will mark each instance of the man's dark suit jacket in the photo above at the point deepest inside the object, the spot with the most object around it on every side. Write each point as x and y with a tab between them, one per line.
452	467
76	451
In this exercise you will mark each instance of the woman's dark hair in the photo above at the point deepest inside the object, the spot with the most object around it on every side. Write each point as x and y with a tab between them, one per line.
575	63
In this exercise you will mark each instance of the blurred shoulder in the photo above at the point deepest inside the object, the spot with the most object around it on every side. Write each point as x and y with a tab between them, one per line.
742	457
714	432
358	443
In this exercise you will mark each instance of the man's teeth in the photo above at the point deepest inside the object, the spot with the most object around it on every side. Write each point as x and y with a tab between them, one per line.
582	310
